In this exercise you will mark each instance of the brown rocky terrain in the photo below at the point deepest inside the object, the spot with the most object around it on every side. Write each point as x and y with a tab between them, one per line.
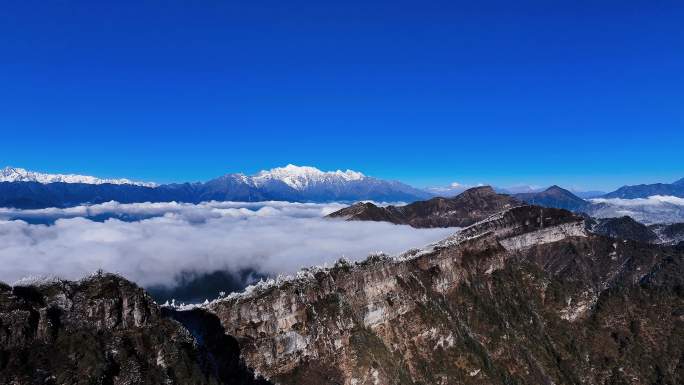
462	210
525	297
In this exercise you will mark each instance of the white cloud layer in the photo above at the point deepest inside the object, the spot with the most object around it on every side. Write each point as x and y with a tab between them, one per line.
654	209
269	237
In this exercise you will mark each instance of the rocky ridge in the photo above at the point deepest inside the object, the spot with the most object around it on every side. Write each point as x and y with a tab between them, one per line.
525	296
462	210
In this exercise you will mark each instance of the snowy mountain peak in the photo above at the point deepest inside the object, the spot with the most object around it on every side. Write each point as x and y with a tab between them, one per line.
300	177
15	174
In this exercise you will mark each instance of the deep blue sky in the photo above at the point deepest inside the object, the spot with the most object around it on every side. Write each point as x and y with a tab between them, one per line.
429	92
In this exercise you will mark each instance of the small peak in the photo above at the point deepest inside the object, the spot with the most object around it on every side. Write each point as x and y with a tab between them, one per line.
556	188
479	191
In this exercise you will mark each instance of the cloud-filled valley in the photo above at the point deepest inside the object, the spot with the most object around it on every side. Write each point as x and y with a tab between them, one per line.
157	242
654	209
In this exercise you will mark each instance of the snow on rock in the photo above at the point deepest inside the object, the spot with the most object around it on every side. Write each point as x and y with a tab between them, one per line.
301	177
546	235
13	174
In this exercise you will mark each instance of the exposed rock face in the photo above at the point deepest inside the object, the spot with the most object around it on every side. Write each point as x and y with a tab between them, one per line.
463	210
524	297
555	197
105	330
624	228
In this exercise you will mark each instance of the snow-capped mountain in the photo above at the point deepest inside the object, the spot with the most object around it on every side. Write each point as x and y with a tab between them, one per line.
308	184
27	189
301	178
14	174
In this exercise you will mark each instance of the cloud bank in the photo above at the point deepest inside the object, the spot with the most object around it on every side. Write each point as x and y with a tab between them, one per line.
654	209
159	241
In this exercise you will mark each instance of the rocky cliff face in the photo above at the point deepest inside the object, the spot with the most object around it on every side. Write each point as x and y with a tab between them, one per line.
524	297
463	210
106	330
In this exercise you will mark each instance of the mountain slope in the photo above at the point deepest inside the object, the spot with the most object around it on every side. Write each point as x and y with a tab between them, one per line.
624	228
669	234
523	297
463	210
556	197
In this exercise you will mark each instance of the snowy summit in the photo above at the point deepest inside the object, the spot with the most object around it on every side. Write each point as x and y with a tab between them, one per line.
301	177
14	174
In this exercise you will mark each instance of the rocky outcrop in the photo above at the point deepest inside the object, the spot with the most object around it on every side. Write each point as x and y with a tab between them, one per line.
463	210
106	330
526	296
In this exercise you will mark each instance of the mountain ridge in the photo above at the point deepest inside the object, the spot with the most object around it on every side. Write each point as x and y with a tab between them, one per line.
646	190
290	183
16	174
464	209
514	298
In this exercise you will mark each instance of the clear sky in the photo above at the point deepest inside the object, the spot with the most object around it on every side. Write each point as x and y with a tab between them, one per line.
579	93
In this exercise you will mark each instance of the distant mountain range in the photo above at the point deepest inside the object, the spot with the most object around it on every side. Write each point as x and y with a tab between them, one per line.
13	174
20	188
646	190
23	189
477	203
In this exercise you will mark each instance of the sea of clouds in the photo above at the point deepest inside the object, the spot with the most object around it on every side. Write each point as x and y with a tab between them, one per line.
153	243
654	209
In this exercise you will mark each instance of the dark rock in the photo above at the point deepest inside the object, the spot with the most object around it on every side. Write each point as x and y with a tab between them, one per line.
463	210
624	228
104	330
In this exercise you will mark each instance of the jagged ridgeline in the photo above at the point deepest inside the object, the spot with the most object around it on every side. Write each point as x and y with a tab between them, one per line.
525	296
